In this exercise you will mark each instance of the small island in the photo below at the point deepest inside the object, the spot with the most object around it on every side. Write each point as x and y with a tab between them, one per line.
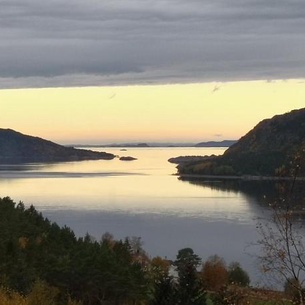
128	158
188	159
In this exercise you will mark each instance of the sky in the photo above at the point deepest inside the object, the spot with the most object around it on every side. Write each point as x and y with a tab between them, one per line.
99	42
160	70
163	113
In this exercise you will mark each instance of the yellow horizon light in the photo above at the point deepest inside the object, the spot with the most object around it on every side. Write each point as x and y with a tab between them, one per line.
159	113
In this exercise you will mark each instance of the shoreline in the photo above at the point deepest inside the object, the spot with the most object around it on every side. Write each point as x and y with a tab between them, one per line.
242	178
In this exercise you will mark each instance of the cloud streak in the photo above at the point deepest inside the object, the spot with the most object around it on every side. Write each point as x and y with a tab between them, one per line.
80	43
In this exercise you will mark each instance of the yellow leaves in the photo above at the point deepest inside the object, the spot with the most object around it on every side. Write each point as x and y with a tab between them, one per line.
23	242
8	297
160	265
42	294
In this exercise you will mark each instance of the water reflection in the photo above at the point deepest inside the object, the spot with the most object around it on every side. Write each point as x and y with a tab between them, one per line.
144	198
20	167
263	192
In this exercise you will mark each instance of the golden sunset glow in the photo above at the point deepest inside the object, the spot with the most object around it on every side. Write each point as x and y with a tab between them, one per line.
163	113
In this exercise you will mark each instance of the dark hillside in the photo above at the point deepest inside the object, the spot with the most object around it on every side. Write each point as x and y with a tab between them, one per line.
283	133
272	148
32	247
16	147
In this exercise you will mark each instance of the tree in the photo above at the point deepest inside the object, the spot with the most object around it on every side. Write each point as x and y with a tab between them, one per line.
291	289
163	288
189	289
237	275
91	272
214	273
281	238
43	294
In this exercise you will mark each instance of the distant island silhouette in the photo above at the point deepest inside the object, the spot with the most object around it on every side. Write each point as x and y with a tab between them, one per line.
224	143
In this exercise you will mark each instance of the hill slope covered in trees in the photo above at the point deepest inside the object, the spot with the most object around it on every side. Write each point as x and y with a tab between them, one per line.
274	147
16	147
51	266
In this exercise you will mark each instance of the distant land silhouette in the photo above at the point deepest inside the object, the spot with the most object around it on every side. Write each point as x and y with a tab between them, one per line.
16	147
224	143
275	147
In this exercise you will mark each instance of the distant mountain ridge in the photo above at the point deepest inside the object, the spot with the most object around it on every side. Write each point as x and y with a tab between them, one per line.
224	143
274	147
16	147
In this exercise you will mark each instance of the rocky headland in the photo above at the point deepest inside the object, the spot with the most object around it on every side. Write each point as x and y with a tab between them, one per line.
273	148
16	148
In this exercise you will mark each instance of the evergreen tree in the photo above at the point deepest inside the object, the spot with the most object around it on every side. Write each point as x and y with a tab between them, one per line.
189	289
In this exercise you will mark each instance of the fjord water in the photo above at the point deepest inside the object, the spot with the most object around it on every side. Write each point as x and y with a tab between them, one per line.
142	198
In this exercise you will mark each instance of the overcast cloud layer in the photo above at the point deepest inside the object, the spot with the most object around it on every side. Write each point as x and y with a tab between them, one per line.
113	42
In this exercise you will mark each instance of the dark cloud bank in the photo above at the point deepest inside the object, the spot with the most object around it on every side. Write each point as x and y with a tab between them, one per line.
99	42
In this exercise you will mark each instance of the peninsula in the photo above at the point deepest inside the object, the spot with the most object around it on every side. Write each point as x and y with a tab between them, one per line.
273	148
16	147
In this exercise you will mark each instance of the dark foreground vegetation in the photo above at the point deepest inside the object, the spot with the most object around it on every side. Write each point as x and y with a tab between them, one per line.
43	264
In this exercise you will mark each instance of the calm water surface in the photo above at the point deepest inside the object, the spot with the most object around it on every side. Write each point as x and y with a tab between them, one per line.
142	198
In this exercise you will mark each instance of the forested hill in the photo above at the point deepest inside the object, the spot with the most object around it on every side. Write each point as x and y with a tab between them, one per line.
16	147
274	147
